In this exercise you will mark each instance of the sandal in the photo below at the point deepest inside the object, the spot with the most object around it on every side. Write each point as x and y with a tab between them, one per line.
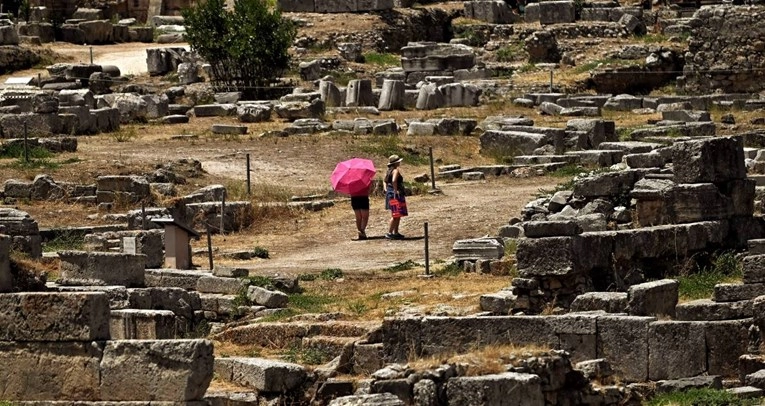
362	236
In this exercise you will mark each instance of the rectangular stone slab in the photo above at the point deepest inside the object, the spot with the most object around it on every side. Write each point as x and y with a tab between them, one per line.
53	316
45	371
624	342
149	370
262	374
677	349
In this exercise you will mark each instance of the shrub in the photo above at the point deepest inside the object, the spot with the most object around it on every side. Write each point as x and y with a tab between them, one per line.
247	47
381	59
331	274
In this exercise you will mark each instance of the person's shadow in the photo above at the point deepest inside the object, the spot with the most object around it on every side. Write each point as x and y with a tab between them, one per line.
382	237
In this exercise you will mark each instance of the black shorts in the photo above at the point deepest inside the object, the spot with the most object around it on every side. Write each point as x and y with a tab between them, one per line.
360	202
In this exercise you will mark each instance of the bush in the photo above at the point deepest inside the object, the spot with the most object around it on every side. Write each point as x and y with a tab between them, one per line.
246	47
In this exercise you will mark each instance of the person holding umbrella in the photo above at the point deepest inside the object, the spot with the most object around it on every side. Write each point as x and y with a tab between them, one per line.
354	177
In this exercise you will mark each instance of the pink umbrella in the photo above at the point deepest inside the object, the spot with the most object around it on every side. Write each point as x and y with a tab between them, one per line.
353	176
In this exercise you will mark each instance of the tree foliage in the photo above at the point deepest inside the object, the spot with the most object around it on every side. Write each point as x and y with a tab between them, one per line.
246	47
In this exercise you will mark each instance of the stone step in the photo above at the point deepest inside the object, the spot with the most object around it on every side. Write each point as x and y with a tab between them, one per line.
54	316
118	295
734	292
262	374
281	335
708	310
228	129
135	324
225	286
101	268
609	302
753	267
756	247
746	392
598	157
630	147
330	346
501	302
544	159
173	278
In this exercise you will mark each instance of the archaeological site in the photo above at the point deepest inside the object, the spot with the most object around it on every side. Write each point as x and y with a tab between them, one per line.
584	180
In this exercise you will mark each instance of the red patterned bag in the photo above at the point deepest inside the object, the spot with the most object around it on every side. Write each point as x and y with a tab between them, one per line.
398	207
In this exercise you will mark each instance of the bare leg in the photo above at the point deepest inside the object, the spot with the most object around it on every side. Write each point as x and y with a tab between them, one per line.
359	219
393	225
364	220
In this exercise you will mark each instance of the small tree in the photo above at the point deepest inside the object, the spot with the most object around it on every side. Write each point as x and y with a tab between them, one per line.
246	47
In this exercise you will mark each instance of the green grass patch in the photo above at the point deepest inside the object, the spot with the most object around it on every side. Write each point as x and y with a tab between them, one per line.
308	356
509	53
66	240
278	316
568	171
653	38
125	134
343	77
386	145
260	252
16	150
382	59
451	269
331	274
697	397
261	281
511	246
700	284
310	303
401	267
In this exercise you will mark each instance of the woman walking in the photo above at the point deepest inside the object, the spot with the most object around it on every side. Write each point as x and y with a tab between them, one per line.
360	206
394	197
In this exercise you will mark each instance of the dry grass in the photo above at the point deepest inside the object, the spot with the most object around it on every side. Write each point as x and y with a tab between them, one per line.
485	360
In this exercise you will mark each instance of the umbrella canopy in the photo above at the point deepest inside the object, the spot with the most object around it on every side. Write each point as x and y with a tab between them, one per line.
353	177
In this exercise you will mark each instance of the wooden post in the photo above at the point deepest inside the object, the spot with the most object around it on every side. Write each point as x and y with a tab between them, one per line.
432	171
143	216
427	251
551	81
209	247
248	174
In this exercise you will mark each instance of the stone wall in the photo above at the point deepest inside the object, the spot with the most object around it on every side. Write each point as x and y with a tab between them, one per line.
726	51
639	348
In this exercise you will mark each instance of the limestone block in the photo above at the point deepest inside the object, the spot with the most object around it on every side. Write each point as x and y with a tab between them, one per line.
359	93
509	388
478	248
494	12
164	370
460	95
753	268
268	298
420	128
706	309
262	374
367	358
577	334
556	12
376	399
180	301
374	5
501	302
214	110
50	370
6	278
227	286
132	324
161	61
756	379
609	302
657	298
453	126
685	115
44	316
624	342
733	292
299	110
684	384
330	94
538	229
392	96
228	129
726	341
607	184
713	160
172	278
551	256
678	349
430	97
101	268
512	142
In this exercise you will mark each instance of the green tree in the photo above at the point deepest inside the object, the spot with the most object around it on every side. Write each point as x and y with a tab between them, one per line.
246	47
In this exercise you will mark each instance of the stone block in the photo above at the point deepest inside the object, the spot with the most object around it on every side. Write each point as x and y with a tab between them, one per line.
376	399
609	302
132	324
624	342
226	286
577	334
734	292
367	358
164	370
180	301
678	349
101	268
501	302
478	248
268	298
50	371
756	379
494	12
6	278
684	384
261	374
726	341
49	316
706	309
551	256
556	12
712	160
657	298
606	184
538	229
173	278
509	388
